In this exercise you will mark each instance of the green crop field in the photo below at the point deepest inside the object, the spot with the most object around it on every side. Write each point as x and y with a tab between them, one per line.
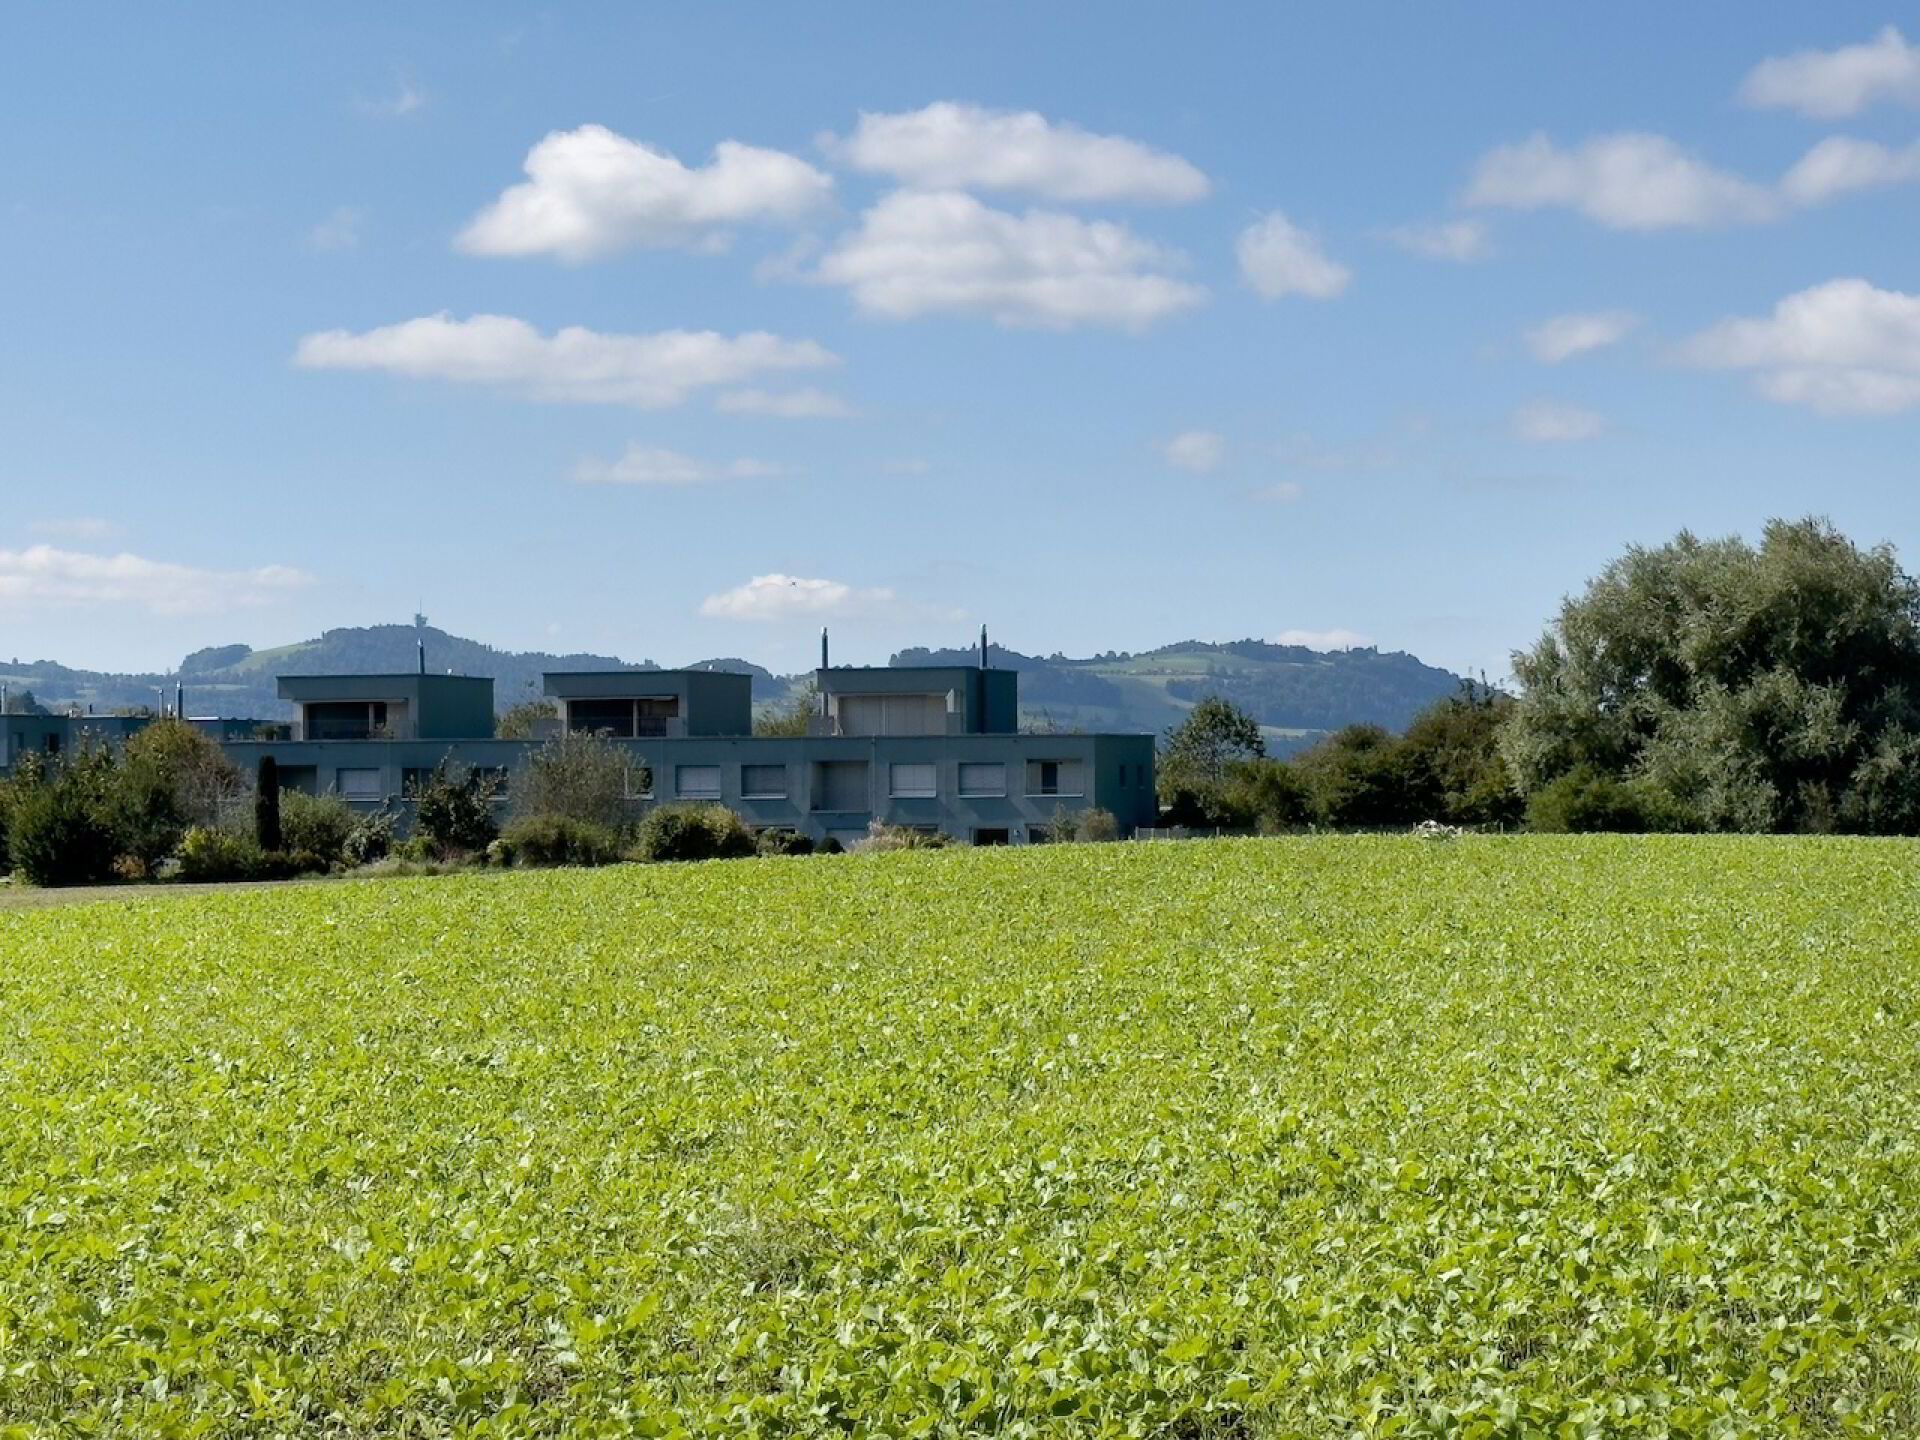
1320	1137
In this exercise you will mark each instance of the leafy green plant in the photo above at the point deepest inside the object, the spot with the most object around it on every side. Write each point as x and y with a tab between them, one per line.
556	840
454	811
318	825
692	832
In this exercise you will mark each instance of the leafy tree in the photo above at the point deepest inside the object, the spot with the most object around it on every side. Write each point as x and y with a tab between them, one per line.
522	721
1452	754
63	827
454	810
1758	688
1197	755
1269	795
21	702
173	755
576	777
792	715
1362	777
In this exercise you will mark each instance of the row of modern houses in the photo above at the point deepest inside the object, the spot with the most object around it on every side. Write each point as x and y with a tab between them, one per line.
932	748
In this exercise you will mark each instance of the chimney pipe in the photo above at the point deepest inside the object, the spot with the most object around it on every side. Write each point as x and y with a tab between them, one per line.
983	647
422	645
180	700
823	647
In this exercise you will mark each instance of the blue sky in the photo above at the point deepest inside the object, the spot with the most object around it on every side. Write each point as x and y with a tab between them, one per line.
680	331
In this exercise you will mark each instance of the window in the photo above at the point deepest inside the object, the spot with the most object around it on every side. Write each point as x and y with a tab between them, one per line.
840	785
1053	777
624	719
358	784
892	714
53	743
697	782
983	777
914	781
639	782
347	720
763	782
998	836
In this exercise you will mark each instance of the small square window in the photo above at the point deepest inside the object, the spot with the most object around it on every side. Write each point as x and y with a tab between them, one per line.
763	782
358	784
914	781
981	777
697	782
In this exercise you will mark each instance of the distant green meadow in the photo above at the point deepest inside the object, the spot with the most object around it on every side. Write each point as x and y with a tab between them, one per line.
1318	1137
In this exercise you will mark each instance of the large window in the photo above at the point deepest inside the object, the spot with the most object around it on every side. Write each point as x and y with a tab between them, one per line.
1054	777
347	720
912	781
840	785
892	714
983	777
624	719
358	784
763	782
697	782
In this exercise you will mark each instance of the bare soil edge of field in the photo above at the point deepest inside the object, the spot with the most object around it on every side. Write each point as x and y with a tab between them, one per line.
17	897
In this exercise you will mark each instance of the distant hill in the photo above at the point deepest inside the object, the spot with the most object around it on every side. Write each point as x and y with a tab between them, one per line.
1295	693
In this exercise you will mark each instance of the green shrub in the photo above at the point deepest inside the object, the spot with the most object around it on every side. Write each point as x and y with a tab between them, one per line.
782	842
208	854
555	840
370	840
1586	801
1097	826
64	829
320	825
575	776
455	811
692	832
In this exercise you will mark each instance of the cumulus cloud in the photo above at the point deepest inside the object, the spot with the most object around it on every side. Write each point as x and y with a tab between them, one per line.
1335	639
1625	181
1550	422
951	146
1841	348
1460	241
918	253
1840	164
1831	83
1196	450
806	403
44	576
590	192
651	371
1565	336
792	597
1278	258
647	465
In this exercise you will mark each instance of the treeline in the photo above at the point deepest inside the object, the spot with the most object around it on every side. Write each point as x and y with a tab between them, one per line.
1699	685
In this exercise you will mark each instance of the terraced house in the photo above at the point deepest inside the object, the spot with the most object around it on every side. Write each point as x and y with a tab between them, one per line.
935	748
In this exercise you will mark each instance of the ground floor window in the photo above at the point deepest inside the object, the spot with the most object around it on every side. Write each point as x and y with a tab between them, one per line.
983	777
763	782
915	781
639	782
697	782
1054	777
996	836
358	784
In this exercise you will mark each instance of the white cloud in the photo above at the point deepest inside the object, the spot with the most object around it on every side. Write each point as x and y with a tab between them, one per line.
1840	164
1281	492
950	146
1278	258
340	230
406	99
1336	639
590	192
74	527
1565	336
44	576
918	253
1842	348
1625	181
1196	450
1549	422
651	371
806	403
1460	241
790	597
644	465
1830	83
